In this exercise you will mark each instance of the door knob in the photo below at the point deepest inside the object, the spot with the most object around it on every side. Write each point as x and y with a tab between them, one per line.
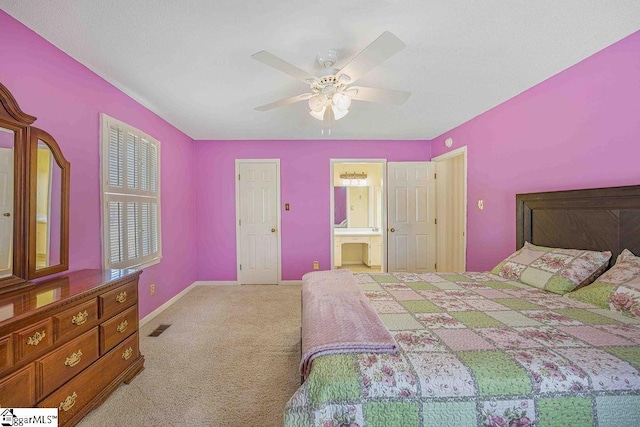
392	230
6	214
273	230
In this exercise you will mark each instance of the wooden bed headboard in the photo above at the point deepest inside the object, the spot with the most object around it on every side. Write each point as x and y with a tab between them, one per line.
593	219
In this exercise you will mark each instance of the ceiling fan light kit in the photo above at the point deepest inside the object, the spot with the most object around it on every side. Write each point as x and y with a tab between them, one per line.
330	97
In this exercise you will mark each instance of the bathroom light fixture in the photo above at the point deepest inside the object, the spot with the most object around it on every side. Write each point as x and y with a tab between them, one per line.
354	179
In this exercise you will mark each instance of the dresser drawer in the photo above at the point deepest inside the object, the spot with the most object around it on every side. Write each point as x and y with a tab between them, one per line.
66	362
34	338
74	395
75	320
6	354
114	330
117	299
18	390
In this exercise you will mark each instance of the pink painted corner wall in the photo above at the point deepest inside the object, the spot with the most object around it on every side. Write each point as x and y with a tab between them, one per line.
305	185
578	129
67	98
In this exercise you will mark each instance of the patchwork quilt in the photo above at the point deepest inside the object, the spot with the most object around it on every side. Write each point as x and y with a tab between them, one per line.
478	349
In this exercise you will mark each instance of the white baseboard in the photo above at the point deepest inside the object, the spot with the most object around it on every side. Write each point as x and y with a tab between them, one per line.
291	282
216	283
166	305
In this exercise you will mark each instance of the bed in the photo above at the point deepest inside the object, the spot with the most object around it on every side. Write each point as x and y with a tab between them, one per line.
482	349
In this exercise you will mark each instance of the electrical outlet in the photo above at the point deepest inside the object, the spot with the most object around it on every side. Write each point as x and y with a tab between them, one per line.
152	289
316	265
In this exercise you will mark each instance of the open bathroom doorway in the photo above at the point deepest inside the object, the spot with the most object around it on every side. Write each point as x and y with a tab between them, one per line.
358	215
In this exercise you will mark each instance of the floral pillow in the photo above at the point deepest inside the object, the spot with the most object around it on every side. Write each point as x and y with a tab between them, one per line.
552	269
617	289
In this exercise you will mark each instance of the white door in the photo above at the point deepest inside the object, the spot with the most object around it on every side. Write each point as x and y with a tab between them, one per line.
6	211
411	229
451	212
258	222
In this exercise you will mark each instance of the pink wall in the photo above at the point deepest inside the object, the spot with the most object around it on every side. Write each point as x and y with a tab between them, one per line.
578	129
305	185
67	99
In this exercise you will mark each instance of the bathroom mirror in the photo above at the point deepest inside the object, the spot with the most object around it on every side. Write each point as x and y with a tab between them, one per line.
357	207
49	206
357	194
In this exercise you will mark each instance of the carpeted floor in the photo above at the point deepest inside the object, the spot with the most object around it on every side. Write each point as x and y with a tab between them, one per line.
230	358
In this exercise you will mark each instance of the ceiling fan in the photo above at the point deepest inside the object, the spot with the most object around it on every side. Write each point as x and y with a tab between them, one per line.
331	92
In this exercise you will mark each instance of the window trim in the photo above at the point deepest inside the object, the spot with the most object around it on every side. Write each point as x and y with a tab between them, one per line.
107	194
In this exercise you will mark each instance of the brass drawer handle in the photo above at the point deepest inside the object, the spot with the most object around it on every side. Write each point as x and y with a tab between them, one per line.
80	318
121	297
122	326
68	403
36	338
127	353
74	359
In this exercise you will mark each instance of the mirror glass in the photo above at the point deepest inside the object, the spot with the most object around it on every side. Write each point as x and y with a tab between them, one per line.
7	138
357	207
340	207
48	208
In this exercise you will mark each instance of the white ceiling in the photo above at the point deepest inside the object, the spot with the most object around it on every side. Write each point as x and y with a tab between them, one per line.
189	61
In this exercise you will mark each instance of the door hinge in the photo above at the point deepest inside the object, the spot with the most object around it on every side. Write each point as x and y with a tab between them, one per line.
435	221
238	177
239	222
435	266
435	176
240	267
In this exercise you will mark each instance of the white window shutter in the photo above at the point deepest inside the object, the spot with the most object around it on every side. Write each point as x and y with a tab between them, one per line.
131	196
144	165
133	231
132	160
116	232
115	162
146	229
155	228
153	168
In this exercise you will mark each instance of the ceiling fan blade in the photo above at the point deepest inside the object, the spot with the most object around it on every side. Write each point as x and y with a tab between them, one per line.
383	96
282	65
382	48
286	101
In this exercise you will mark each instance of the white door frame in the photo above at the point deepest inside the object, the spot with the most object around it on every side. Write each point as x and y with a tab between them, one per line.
462	151
278	216
383	227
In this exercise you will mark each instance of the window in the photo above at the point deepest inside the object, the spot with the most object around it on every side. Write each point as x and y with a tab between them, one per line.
130	196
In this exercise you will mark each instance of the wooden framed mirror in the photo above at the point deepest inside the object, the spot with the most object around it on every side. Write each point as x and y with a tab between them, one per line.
48	216
14	126
34	198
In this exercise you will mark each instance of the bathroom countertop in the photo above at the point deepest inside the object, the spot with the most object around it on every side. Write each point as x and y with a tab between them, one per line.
356	232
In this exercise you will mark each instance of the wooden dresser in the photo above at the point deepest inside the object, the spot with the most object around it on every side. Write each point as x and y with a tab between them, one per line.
69	342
